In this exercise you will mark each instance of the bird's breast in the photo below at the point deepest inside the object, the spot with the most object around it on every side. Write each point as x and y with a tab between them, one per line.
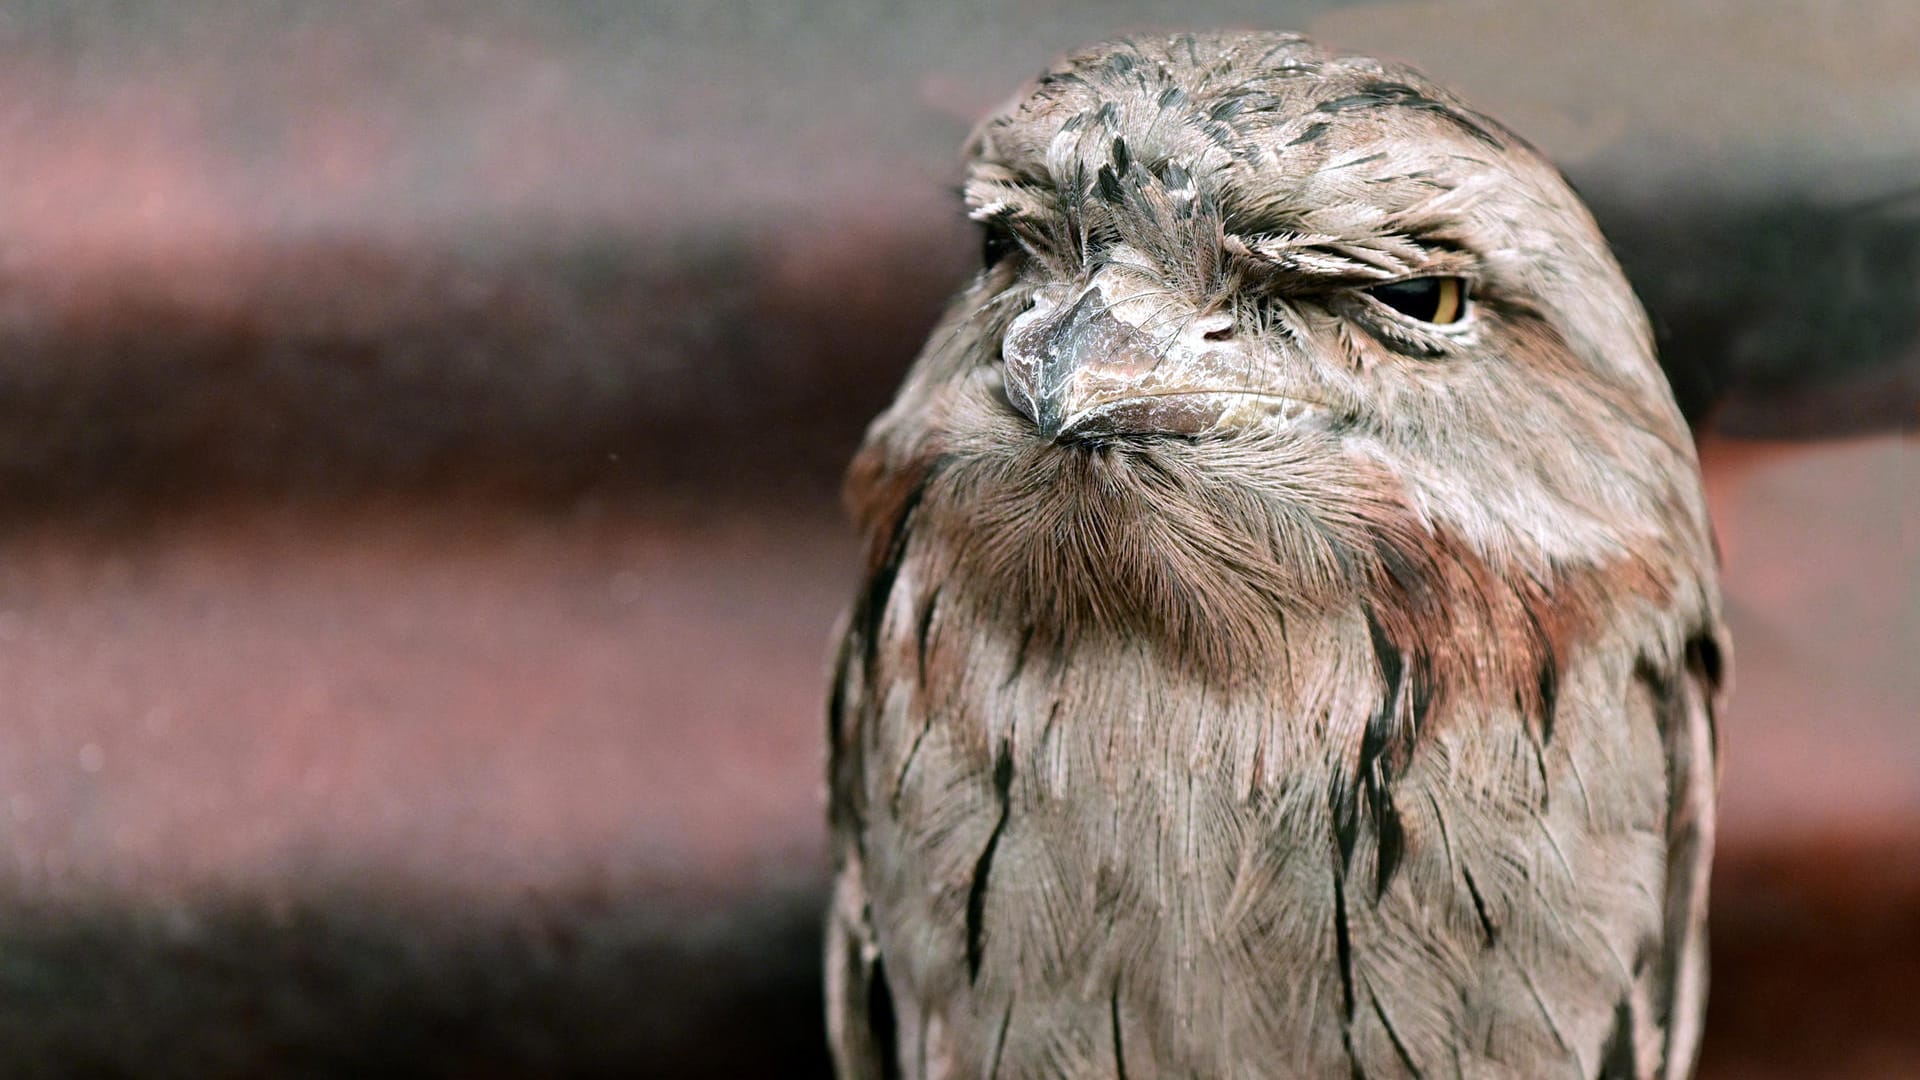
1067	835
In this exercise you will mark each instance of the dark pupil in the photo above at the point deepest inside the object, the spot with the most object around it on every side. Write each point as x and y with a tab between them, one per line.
1417	299
996	243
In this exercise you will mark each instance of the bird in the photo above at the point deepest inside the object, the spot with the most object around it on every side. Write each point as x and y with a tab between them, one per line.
1290	642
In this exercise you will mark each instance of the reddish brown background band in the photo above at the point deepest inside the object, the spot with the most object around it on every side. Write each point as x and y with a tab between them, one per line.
419	427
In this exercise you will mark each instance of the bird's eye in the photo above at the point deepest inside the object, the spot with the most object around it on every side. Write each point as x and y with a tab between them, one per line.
1437	300
997	242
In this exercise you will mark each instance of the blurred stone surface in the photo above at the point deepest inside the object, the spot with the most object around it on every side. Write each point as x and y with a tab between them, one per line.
418	434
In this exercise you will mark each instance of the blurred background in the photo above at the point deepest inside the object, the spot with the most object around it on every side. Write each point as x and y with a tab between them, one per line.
420	428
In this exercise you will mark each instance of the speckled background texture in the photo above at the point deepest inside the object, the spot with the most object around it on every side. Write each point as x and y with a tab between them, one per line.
419	432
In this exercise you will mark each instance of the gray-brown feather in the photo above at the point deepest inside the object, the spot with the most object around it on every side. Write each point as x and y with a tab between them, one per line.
1381	749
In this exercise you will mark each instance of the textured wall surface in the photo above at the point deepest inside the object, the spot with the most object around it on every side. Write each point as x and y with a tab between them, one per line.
419	426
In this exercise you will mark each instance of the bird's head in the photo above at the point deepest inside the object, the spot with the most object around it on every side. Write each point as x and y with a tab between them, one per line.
1256	320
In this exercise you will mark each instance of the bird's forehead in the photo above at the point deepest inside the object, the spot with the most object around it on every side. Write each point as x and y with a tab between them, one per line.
1228	109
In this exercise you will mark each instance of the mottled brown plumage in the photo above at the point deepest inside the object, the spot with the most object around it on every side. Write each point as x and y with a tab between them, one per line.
1253	679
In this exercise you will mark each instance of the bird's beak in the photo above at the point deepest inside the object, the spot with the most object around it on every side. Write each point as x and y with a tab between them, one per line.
1120	358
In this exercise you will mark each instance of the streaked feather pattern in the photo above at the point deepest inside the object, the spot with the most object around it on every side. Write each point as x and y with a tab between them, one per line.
1377	744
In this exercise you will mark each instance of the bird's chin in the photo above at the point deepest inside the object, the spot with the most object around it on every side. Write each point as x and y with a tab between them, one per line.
1147	537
